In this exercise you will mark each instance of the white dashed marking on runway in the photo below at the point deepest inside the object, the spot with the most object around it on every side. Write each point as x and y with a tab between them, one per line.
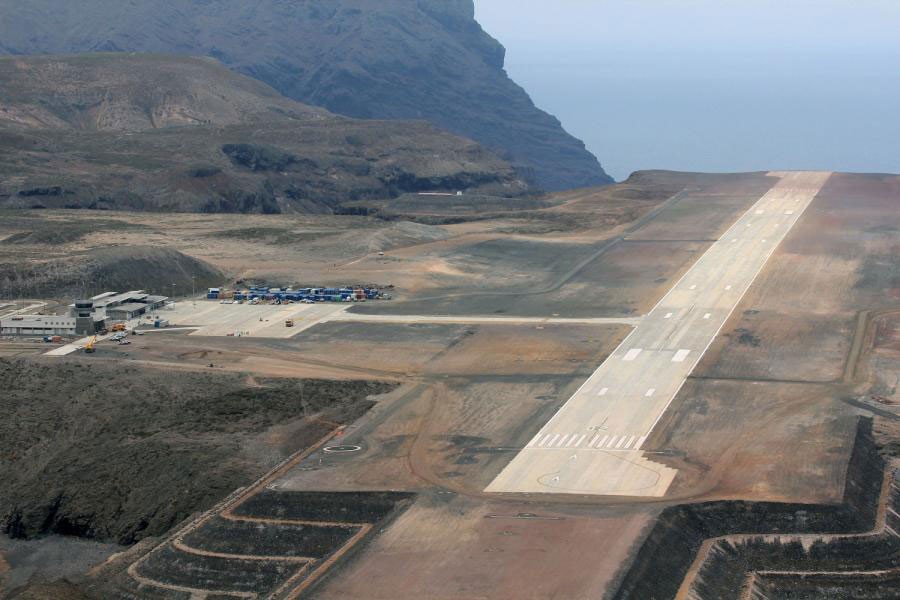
632	354
680	356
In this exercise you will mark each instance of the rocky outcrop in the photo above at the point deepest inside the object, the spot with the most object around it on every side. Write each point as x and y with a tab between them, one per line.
392	59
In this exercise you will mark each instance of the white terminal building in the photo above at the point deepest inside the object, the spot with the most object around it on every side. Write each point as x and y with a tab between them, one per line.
38	325
86	317
92	314
123	307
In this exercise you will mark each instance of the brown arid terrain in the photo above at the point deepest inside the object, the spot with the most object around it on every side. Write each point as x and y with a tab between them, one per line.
184	134
782	438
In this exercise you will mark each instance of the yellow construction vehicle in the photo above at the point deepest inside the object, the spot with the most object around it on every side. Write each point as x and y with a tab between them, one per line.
89	347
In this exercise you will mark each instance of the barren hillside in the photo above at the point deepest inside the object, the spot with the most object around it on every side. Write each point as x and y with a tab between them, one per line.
395	59
167	133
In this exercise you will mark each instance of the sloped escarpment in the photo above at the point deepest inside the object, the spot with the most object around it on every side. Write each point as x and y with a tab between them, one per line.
120	453
665	557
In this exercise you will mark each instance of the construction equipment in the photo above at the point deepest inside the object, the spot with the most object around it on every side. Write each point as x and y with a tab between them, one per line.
89	347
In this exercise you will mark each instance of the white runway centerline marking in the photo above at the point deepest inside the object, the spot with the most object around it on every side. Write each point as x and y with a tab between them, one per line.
652	365
632	354
680	355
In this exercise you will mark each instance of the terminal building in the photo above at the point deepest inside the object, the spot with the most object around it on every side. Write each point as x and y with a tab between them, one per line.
92	314
86	317
37	325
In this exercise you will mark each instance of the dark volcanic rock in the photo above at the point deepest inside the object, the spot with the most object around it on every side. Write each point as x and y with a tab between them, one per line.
119	453
392	59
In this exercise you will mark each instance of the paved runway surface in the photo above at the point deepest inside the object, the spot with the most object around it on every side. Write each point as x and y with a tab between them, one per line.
593	444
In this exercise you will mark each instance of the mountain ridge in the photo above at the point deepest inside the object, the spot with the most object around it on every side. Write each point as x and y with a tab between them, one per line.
395	59
186	134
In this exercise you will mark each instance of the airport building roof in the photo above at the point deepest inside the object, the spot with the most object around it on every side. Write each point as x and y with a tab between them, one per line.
104	295
118	299
129	307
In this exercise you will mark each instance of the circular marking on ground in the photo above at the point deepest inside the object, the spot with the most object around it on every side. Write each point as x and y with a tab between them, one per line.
342	449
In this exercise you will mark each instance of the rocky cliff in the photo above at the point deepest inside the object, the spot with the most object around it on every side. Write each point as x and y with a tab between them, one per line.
391	59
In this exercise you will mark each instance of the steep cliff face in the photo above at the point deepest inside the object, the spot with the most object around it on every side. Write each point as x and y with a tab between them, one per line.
391	59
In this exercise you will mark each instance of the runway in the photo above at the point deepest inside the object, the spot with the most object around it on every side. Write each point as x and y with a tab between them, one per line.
593	443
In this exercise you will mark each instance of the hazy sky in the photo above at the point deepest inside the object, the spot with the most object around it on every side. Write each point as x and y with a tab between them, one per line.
707	85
